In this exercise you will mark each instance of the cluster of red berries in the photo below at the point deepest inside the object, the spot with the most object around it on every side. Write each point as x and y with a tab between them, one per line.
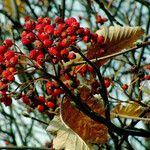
56	39
8	62
51	42
39	102
100	20
83	69
53	88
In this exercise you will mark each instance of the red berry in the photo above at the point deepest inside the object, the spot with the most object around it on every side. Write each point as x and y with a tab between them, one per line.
65	43
3	49
90	69
39	28
71	55
6	73
25	41
30	36
46	21
42	36
40	59
63	34
1	59
9	54
69	21
70	30
75	25
38	44
99	19
53	51
10	78
57	92
29	25
49	87
33	53
125	87
8	42
94	37
7	101
73	38
40	108
50	104
87	31
40	20
24	33
100	39
58	20
80	31
48	43
64	53
13	61
85	38
66	77
57	32
49	29
107	82
41	99
3	87
25	99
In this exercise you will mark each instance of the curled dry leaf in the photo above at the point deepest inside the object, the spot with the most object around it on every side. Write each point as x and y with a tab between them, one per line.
65	138
88	129
131	109
117	38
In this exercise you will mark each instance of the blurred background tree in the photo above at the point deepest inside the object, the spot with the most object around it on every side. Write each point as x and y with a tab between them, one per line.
16	129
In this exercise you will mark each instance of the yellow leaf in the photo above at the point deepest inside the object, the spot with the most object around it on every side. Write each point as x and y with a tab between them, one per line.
11	7
130	109
65	138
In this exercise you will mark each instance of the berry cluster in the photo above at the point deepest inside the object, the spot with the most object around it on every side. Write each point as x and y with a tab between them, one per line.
48	43
56	40
8	62
100	20
39	102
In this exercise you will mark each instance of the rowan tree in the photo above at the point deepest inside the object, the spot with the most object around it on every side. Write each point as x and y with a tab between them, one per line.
74	75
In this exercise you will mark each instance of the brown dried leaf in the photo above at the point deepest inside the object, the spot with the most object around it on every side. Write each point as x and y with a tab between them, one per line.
88	129
116	38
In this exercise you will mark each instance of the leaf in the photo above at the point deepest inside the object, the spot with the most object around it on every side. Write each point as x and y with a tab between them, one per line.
11	7
131	109
65	137
116	38
88	129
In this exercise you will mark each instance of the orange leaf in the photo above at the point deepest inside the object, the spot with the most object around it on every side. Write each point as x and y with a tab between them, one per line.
89	130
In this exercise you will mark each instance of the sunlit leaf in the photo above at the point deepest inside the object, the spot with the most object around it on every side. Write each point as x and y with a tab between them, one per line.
65	138
117	38
130	109
88	129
